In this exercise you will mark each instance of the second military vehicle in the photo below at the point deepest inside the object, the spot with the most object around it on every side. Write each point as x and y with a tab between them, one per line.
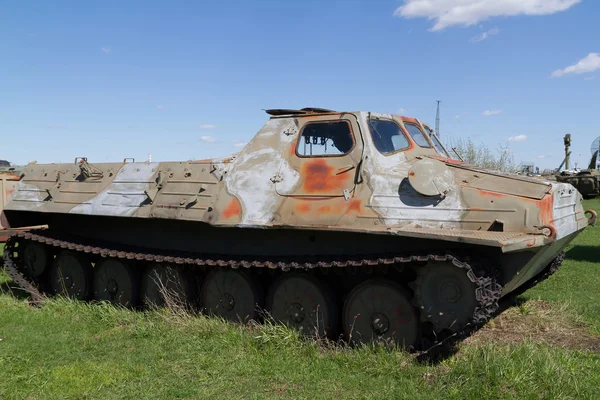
586	181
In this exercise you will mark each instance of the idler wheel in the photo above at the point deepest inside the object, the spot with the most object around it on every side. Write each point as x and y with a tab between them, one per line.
445	295
71	275
115	282
232	294
161	279
380	310
303	303
37	258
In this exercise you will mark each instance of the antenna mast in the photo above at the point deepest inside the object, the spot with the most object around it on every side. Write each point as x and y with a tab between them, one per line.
567	140
437	119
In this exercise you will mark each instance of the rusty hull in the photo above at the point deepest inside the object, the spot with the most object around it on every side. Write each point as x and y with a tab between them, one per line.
411	193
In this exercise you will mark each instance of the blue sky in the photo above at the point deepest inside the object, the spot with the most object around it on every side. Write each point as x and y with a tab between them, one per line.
189	79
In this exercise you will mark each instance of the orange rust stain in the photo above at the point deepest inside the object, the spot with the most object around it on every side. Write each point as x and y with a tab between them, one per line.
319	177
293	147
355	205
408	119
546	207
325	210
447	160
476	209
411	173
491	194
303	207
233	209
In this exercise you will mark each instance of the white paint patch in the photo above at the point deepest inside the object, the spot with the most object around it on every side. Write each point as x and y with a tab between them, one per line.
393	197
566	200
125	195
250	176
26	197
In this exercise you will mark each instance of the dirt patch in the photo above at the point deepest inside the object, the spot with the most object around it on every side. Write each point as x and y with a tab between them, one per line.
539	322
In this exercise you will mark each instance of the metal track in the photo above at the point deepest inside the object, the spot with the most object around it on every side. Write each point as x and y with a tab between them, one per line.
17	276
487	290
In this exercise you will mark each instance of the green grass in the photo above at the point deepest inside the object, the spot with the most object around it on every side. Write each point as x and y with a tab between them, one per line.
74	350
578	282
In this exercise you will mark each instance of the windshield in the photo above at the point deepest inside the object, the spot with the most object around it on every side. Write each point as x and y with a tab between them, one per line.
417	135
387	136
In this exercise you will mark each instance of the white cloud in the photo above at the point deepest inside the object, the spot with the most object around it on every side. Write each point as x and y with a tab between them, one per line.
457	116
589	78
590	63
518	138
208	139
446	13
401	110
489	113
207	126
237	143
106	49
484	35
542	156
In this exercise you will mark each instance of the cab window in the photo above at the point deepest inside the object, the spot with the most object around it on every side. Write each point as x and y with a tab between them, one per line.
328	138
417	135
387	136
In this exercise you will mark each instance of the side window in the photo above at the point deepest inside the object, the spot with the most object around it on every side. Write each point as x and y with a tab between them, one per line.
387	136
417	135
330	138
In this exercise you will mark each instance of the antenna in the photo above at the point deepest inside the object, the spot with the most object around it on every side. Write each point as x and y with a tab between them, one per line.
437	119
567	141
595	149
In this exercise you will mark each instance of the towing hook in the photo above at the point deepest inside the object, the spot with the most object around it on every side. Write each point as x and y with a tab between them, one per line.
593	217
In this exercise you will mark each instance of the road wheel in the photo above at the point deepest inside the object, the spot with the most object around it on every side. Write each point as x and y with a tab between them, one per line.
232	294
71	275
115	282
380	310
304	303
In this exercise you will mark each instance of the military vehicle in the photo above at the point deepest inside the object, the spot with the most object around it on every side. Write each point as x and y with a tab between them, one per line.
336	223
587	181
9	176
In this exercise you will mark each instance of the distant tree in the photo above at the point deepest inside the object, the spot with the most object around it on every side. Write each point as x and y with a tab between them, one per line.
480	155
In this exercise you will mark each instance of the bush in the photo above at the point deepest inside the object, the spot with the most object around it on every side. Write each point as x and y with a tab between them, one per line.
481	156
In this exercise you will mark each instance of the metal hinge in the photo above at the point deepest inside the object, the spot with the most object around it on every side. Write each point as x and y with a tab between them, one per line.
194	199
346	194
153	191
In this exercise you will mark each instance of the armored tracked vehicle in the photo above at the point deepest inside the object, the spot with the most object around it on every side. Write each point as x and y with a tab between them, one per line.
336	223
586	181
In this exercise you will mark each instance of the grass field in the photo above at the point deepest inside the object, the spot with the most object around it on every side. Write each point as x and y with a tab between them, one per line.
546	347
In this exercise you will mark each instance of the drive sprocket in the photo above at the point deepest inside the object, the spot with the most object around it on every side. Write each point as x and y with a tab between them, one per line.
451	296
